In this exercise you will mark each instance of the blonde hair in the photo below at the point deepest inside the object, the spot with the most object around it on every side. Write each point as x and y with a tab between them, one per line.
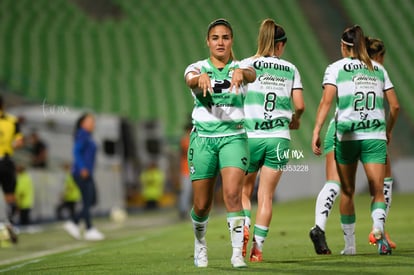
354	38
375	47
270	34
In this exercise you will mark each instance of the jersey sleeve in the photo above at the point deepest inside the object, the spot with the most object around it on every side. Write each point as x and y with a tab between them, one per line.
329	76
195	67
246	63
387	81
297	82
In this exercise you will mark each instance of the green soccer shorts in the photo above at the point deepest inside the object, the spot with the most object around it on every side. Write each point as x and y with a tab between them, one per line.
208	155
368	151
270	152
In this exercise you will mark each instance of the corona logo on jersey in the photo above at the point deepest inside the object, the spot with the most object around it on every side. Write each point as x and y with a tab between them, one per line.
260	65
351	67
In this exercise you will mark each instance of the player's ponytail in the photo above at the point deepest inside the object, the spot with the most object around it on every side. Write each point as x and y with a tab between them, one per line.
354	38
270	34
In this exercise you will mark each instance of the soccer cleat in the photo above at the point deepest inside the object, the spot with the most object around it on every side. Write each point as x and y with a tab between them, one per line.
93	234
72	230
349	251
12	233
5	240
246	235
319	242
384	247
238	261
200	253
373	240
255	254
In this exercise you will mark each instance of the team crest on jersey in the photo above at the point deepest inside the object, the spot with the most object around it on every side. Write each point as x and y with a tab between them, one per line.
192	169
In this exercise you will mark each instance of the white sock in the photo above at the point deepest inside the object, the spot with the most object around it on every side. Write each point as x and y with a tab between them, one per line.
260	234
236	225
325	202
388	193
247	221
378	218
200	230
349	234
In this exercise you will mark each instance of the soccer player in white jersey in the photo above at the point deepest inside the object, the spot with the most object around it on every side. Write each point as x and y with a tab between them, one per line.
269	117
330	191
218	142
360	86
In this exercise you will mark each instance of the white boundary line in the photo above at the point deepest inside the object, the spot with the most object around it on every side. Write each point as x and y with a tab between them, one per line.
42	254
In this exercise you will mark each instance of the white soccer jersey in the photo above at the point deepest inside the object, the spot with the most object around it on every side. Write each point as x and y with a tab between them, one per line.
360	98
220	113
267	108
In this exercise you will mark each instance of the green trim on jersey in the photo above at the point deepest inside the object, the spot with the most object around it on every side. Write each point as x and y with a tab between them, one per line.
360	113
361	126
224	128
348	101
268	104
277	124
255	97
220	112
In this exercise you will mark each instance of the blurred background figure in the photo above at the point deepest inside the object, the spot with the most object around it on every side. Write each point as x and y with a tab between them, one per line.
84	153
185	187
152	182
38	150
70	195
10	139
24	195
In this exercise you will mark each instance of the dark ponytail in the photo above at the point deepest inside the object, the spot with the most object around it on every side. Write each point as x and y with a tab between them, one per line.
79	122
354	39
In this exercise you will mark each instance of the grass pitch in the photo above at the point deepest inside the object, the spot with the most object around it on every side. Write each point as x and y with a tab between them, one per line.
158	243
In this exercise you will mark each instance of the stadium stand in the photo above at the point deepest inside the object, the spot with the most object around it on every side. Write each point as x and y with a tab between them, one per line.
132	63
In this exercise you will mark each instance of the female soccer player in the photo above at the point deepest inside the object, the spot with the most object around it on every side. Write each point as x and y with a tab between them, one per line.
218	141
361	129
268	120
331	189
84	153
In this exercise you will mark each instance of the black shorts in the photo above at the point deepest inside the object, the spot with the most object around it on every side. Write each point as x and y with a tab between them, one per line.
7	175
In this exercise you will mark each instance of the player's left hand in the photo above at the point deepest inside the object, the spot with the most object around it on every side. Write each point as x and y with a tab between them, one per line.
294	123
316	144
237	80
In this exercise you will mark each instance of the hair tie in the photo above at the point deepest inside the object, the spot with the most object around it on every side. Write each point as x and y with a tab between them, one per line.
347	43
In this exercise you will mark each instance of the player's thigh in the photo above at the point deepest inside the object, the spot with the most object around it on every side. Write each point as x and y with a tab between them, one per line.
329	141
234	152
347	152
257	151
276	153
374	151
202	158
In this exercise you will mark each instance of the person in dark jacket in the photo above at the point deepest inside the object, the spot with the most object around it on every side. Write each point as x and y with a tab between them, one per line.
84	153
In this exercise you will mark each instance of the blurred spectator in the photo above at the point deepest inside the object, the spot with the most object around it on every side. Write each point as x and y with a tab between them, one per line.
152	180
70	196
24	195
38	151
185	188
10	139
84	154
